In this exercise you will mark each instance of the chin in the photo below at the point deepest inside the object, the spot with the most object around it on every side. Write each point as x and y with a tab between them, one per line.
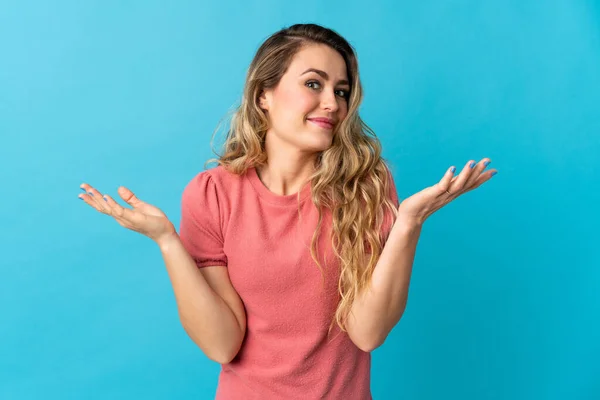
318	145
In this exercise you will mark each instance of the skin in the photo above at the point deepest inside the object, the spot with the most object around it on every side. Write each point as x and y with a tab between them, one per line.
420	206
376	311
142	217
293	142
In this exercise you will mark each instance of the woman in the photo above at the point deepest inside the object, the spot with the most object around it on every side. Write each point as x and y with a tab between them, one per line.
293	258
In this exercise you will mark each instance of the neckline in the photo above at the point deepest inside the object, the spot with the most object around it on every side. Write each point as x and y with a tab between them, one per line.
273	198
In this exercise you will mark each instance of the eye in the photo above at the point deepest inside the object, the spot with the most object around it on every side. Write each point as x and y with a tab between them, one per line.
312	83
345	94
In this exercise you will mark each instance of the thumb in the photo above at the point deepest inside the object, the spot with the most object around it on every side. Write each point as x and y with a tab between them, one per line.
128	196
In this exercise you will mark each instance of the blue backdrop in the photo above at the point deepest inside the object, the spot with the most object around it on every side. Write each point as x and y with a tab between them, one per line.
504	300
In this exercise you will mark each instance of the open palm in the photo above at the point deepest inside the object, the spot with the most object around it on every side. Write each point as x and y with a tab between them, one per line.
142	217
423	204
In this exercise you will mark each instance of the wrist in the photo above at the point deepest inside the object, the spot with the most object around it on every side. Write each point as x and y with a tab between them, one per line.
165	240
409	222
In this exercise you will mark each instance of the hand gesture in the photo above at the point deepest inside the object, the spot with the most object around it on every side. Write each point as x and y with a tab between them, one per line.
420	206
143	217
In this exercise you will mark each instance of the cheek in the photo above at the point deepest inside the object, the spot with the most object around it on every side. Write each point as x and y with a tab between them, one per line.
296	104
343	109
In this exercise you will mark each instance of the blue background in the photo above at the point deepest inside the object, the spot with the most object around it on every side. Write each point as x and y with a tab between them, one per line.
504	300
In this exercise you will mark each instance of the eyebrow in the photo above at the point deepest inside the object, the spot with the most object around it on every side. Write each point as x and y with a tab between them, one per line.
325	75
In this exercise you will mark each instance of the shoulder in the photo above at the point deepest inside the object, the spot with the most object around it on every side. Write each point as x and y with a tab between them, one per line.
217	178
214	187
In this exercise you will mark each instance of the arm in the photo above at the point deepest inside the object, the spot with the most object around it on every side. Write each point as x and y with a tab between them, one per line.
210	309
378	309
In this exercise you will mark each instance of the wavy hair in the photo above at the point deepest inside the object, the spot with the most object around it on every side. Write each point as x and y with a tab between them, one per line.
351	178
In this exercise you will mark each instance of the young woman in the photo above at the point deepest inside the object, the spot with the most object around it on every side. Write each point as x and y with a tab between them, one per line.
293	257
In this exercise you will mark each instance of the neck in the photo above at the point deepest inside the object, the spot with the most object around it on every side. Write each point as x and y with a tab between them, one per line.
286	172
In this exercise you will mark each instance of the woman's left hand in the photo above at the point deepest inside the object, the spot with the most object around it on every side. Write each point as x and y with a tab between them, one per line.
418	207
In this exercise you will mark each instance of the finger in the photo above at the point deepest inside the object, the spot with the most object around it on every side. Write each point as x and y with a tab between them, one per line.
121	214
447	180
477	170
89	200
483	177
129	197
115	208
460	181
92	197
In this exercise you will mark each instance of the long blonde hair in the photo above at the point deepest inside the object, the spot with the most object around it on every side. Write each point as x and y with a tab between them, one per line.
351	178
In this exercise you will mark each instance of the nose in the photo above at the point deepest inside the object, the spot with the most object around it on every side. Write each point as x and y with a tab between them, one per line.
329	101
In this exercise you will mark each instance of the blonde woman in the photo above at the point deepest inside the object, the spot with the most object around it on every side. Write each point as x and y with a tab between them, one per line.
293	258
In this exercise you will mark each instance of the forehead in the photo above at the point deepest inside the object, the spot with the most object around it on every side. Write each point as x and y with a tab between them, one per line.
321	57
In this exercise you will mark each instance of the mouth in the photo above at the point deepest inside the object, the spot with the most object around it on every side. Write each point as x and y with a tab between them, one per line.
322	123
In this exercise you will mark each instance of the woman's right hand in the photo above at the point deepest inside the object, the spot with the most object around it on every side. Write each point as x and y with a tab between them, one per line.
143	217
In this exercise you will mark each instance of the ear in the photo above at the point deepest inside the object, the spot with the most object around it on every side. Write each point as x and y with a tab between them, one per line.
263	100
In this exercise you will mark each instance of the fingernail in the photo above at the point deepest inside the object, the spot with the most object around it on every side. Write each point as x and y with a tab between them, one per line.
82	189
494	173
90	193
472	164
485	164
104	197
453	169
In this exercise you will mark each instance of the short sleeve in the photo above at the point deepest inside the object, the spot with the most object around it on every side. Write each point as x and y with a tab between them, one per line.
200	227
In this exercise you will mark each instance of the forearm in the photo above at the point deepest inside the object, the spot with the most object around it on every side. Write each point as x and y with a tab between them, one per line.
205	316
378	308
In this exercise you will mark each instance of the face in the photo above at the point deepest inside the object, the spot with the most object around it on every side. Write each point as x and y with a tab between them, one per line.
313	89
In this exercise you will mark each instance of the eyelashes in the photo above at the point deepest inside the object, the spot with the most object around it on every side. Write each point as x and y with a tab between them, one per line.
345	95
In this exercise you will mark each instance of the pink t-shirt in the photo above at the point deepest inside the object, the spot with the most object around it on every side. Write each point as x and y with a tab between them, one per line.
237	222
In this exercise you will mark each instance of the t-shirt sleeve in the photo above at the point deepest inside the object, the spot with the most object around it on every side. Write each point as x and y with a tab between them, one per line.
200	228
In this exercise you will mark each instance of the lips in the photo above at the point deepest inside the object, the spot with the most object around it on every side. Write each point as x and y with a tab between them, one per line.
322	122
